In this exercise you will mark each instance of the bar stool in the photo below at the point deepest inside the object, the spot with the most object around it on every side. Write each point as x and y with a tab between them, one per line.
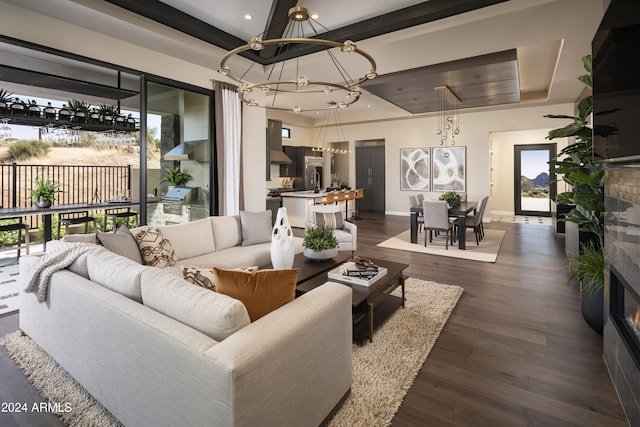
341	198
19	227
116	213
329	200
359	195
351	195
76	218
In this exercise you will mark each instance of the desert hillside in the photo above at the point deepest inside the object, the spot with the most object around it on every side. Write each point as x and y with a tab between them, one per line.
86	156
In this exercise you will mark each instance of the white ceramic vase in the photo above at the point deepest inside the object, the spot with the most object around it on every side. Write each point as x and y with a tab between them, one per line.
282	246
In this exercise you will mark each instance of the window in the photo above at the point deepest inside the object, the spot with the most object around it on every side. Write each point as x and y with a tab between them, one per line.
286	133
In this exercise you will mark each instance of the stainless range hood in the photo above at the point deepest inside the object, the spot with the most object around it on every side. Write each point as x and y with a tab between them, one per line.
278	157
186	150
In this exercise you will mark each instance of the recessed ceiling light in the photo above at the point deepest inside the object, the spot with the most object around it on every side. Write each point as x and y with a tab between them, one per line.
248	17
315	16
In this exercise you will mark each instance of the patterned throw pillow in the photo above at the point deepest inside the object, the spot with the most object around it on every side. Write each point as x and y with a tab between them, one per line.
199	276
156	250
333	220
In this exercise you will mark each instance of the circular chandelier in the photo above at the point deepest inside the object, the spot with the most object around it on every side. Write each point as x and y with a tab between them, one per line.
287	78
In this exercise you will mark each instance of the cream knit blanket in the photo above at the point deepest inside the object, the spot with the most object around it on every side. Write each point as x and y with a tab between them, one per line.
63	255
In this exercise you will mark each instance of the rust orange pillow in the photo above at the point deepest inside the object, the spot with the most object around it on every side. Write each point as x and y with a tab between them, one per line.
260	291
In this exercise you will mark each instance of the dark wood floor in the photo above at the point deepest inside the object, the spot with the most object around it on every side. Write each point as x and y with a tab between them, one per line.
515	351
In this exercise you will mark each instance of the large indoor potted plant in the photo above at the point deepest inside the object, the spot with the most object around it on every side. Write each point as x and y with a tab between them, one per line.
588	267
320	244
585	175
44	191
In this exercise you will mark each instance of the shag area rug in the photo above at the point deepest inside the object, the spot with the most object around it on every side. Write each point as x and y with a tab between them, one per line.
383	371
486	251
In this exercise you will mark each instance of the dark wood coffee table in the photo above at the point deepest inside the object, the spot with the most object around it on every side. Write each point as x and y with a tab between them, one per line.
310	269
367	299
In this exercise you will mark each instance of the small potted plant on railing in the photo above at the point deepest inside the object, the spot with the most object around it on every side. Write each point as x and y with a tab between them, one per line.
320	244
451	197
176	176
44	191
107	113
80	110
5	101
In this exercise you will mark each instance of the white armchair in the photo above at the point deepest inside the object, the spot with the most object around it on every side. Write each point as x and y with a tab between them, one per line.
346	232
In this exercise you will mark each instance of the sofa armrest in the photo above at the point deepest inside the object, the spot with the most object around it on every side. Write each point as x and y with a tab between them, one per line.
292	366
353	229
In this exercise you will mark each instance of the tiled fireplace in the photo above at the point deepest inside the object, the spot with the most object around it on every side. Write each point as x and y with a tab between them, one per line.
622	285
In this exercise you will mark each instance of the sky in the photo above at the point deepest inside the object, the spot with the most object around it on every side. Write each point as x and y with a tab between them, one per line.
534	162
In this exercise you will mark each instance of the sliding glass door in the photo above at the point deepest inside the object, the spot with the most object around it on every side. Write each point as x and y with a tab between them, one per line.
179	150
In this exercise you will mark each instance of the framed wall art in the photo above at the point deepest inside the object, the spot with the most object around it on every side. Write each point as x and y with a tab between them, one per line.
449	169
415	169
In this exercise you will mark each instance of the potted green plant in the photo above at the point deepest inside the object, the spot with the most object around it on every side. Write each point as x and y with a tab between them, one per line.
80	110
107	113
176	176
5	101
44	191
451	197
588	267
320	243
579	169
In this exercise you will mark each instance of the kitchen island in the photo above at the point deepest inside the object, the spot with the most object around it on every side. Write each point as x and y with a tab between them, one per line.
297	203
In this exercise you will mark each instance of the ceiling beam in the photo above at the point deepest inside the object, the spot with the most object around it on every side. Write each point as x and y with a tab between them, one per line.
276	25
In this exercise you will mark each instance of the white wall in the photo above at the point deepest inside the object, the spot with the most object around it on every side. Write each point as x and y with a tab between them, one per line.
476	127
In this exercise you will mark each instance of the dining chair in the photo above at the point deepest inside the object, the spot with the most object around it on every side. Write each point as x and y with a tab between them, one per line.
413	203
475	221
436	218
420	198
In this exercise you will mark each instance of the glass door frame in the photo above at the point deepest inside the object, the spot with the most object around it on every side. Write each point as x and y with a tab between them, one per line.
551	148
213	175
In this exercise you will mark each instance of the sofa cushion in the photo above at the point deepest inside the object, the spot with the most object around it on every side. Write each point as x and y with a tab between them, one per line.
122	243
211	313
256	227
191	238
261	291
227	231
155	249
116	272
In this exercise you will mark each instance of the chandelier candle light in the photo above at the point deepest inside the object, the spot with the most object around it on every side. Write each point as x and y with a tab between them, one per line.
290	76
448	116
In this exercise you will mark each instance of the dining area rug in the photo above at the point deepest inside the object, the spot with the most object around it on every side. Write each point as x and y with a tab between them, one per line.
486	251
383	370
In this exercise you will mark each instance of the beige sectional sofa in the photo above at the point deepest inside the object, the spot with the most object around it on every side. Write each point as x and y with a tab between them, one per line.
157	350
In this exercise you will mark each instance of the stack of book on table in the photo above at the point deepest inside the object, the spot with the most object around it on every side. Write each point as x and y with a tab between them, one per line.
349	272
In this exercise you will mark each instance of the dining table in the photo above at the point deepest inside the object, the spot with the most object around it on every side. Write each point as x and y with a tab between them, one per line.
459	211
61	209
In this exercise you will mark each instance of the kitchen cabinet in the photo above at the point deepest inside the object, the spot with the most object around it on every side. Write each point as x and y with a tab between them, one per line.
297	155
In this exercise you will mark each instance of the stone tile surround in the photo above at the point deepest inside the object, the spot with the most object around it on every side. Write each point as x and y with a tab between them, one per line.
622	250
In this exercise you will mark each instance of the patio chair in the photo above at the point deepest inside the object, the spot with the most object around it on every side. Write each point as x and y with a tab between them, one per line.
76	218
19	227
116	213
